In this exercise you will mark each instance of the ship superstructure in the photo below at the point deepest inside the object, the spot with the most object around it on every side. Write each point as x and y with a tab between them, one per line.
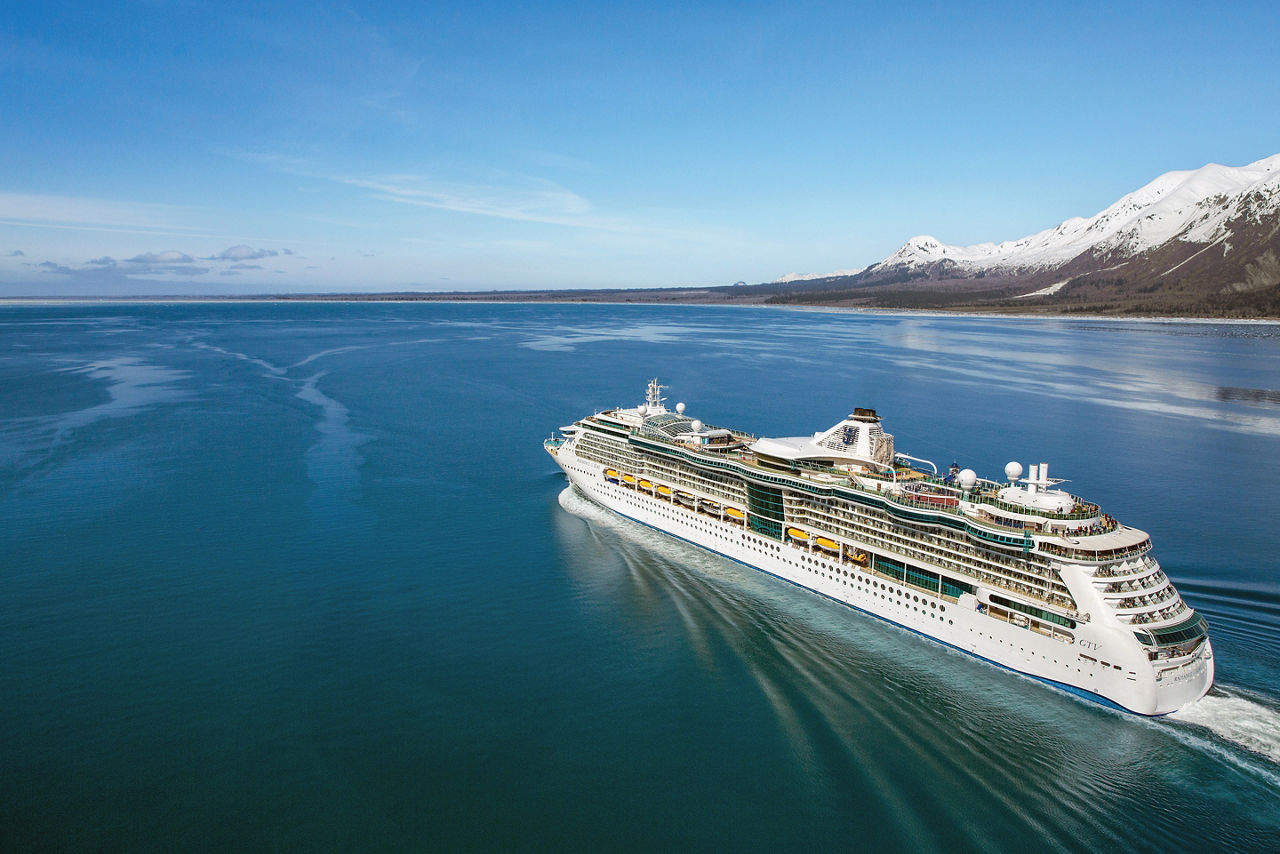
1018	572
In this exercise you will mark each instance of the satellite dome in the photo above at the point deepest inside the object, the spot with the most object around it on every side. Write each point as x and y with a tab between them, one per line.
1013	470
696	426
644	410
680	408
968	478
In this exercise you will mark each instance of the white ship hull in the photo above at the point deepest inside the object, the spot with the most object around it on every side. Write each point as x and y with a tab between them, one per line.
1103	662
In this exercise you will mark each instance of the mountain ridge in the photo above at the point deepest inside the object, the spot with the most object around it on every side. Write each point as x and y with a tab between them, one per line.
1188	236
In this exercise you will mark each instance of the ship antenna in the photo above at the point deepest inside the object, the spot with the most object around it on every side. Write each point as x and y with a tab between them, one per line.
654	400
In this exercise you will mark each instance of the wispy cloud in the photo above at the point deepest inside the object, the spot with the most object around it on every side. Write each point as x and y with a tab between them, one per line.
108	277
537	201
170	256
244	252
73	213
35	209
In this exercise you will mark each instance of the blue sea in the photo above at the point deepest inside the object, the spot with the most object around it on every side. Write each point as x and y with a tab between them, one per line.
300	577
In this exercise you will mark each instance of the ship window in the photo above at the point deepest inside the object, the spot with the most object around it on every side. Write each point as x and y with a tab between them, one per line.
955	589
1038	613
1187	630
891	568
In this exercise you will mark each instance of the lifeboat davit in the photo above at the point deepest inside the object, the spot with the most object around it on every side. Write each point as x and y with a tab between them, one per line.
645	484
611	475
709	505
862	558
664	490
629	479
827	545
797	534
734	513
684	498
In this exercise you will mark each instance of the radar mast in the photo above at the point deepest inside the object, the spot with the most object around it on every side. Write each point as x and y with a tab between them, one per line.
654	399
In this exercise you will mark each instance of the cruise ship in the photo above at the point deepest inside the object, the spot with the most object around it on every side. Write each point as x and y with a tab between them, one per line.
1020	572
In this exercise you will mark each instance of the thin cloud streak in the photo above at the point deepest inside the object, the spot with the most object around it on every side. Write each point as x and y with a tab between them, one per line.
73	210
548	204
539	200
151	232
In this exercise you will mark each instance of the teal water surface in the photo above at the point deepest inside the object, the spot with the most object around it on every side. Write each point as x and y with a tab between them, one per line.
301	577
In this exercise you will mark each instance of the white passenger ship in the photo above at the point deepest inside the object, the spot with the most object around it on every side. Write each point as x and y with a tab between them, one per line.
1019	573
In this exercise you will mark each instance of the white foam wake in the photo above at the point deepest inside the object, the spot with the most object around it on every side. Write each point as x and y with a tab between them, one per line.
579	505
1239	720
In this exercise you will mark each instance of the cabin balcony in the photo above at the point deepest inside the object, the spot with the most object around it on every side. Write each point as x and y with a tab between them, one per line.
1144	601
1095	555
1156	618
1126	570
1139	584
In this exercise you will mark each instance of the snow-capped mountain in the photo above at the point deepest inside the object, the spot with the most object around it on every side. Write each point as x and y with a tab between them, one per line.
1150	233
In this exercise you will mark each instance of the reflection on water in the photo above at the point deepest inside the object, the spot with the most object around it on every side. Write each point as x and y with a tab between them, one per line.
1249	395
333	461
132	384
30	443
569	339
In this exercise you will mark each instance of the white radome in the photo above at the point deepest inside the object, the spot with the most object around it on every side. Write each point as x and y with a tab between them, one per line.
968	479
1013	470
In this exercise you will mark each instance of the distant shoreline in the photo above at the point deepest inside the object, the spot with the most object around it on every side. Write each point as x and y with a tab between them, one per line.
488	299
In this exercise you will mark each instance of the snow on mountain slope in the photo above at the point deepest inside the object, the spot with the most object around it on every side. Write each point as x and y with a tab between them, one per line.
804	277
1190	206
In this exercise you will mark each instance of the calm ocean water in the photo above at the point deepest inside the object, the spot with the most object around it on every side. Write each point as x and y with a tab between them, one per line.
301	577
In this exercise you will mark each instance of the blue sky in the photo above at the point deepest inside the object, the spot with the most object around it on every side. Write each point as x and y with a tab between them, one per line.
192	147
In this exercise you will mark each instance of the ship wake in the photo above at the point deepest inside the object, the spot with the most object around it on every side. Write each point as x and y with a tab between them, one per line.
1227	722
1237	719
